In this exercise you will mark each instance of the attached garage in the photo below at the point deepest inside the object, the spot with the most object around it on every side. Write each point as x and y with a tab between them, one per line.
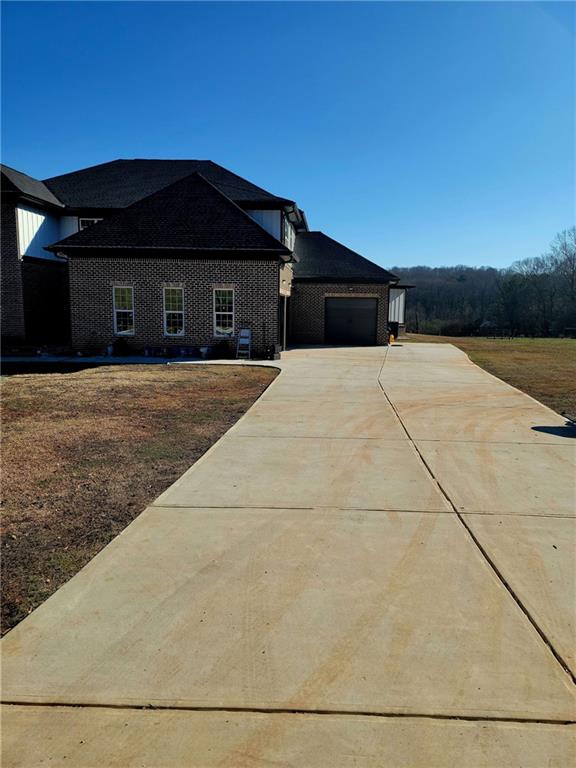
338	296
350	321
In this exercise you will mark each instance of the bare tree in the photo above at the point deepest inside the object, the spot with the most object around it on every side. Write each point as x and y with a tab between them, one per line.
542	286
536	296
563	251
511	301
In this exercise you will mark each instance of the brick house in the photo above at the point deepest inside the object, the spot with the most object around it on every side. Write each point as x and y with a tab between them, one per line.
177	253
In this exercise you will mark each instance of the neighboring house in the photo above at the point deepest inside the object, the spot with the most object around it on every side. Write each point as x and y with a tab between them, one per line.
181	253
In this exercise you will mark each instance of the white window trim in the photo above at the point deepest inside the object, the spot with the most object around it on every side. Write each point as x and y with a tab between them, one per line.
173	288
87	218
233	313
288	232
116	331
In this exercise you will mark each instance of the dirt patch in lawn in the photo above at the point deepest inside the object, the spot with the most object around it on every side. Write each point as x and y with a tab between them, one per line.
544	368
84	453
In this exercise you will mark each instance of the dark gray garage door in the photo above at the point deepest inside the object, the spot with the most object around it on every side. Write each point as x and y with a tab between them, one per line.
350	321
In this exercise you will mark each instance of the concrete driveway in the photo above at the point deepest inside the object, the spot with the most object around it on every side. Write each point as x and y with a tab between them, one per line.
373	567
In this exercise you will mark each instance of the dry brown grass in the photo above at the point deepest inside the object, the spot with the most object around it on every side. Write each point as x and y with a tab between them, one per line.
544	368
83	453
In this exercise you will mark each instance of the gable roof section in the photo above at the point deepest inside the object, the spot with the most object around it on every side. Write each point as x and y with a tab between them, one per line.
190	215
324	260
15	181
120	183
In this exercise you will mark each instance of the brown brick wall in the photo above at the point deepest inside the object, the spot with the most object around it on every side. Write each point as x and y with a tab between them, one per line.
307	309
255	284
12	299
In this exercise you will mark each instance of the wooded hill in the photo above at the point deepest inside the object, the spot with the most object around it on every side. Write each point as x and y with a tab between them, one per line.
533	297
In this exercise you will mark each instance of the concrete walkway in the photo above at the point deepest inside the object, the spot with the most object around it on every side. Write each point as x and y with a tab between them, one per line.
373	567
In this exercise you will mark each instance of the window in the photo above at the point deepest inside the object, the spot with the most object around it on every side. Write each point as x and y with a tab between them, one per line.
123	296
84	223
223	312
287	232
174	311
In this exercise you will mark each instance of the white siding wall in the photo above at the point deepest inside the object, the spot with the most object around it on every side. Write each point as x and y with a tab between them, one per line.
36	228
269	220
397	305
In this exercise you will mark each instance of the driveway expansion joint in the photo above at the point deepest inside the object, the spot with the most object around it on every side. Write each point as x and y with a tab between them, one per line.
326	508
476	541
290	711
314	437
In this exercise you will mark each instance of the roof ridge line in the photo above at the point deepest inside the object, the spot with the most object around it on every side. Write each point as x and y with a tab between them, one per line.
11	168
164	160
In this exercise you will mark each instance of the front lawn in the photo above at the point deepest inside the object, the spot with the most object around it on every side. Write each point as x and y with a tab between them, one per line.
544	368
84	453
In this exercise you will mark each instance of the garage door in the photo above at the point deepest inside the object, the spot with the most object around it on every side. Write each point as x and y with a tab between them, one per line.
350	321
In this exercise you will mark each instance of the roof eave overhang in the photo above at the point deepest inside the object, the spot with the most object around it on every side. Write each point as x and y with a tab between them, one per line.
264	205
39	202
90	251
345	280
79	208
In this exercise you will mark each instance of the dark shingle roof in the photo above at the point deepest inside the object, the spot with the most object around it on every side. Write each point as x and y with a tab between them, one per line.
190	215
120	183
15	181
322	259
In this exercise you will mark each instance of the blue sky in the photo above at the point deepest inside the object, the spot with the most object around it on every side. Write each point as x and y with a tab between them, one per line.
415	133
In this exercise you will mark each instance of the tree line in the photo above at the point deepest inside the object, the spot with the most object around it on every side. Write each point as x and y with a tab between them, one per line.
533	297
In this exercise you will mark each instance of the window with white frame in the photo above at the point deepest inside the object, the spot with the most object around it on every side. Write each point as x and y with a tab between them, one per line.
288	233
123	299
174	311
84	223
223	312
